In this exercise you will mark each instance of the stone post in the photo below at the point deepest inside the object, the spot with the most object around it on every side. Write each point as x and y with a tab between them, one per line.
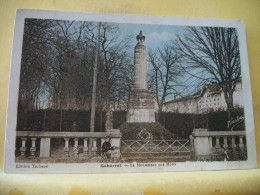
66	148
233	143
45	148
33	148
201	143
23	148
210	143
85	147
241	144
115	142
225	145
192	151
217	146
76	147
94	148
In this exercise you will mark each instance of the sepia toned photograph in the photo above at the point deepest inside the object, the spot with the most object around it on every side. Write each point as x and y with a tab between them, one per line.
100	93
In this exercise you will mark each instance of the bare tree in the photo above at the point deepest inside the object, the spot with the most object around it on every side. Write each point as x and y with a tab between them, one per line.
71	68
59	57
211	54
165	74
123	85
37	41
113	62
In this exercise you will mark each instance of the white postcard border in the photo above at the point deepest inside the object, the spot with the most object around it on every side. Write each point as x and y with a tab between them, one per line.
9	159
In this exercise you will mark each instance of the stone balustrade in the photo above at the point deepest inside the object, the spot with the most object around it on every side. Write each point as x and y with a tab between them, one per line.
202	140
45	141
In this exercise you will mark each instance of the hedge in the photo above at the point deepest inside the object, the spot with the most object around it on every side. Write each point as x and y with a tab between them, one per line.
179	124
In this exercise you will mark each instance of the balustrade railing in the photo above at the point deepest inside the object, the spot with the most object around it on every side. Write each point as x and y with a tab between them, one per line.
46	141
210	142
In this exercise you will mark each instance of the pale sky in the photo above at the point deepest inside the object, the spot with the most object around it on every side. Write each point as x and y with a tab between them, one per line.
155	35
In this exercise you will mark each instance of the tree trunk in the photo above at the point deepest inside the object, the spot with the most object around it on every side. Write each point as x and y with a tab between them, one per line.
164	119
228	94
158	116
108	122
101	120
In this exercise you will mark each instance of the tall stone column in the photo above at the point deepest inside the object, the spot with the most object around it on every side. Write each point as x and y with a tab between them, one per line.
141	103
140	64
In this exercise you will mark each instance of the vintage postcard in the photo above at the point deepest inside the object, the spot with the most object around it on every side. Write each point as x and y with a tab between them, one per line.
105	93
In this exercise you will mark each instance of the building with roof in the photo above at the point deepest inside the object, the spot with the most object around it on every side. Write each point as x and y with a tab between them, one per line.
211	97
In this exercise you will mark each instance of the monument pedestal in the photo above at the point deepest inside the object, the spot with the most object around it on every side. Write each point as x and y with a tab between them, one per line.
140	107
